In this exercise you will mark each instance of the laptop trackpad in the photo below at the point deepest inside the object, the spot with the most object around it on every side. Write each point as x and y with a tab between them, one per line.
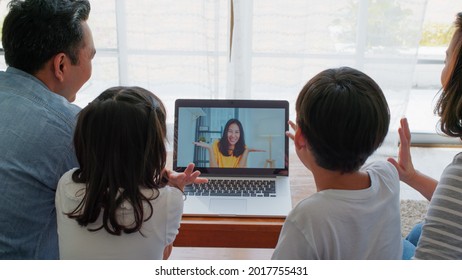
228	206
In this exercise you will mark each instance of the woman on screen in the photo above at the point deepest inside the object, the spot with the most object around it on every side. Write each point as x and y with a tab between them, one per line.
230	150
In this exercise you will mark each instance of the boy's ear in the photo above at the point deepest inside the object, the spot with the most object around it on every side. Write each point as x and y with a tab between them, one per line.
299	140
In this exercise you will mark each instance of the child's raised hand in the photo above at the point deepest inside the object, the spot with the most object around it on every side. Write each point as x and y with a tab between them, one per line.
181	179
294	127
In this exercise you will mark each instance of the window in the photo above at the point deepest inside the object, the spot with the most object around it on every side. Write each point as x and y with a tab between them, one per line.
264	48
436	35
186	48
3	11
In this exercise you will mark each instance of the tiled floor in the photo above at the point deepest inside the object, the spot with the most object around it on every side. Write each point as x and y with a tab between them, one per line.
420	110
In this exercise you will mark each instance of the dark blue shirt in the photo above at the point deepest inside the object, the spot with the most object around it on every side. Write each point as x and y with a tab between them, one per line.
36	129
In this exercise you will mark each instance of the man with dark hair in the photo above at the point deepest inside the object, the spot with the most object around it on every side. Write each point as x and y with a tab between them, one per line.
342	118
48	49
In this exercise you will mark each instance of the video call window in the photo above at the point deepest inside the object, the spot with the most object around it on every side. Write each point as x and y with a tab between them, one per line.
263	133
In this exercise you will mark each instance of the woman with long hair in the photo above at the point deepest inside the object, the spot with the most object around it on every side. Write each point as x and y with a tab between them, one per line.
230	150
441	231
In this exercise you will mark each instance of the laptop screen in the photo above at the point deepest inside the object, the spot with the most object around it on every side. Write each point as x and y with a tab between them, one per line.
233	137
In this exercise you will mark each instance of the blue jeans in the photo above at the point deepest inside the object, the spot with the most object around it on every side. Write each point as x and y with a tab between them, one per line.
410	242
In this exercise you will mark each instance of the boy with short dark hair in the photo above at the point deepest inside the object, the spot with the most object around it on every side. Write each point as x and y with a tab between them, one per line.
342	118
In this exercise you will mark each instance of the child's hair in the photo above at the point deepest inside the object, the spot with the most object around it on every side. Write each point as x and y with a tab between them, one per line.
449	106
120	145
223	145
344	116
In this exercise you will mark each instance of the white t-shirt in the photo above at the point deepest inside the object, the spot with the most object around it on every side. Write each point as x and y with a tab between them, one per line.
347	224
76	242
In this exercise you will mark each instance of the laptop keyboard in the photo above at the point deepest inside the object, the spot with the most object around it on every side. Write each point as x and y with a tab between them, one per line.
234	187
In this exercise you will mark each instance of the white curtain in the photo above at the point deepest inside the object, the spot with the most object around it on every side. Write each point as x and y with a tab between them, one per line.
285	43
257	49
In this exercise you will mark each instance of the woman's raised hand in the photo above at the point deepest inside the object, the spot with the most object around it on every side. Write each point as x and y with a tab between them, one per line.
404	165
203	144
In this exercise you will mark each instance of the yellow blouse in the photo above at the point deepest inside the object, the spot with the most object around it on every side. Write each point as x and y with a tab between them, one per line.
225	161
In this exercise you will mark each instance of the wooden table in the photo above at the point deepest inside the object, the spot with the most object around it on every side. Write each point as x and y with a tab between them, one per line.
232	232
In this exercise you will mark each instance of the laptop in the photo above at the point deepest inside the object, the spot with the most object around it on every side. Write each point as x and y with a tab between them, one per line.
241	147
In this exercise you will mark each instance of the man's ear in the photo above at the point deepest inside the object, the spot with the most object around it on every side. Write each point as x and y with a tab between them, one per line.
299	140
59	65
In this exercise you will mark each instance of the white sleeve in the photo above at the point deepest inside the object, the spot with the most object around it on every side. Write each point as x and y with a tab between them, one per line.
292	244
174	210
